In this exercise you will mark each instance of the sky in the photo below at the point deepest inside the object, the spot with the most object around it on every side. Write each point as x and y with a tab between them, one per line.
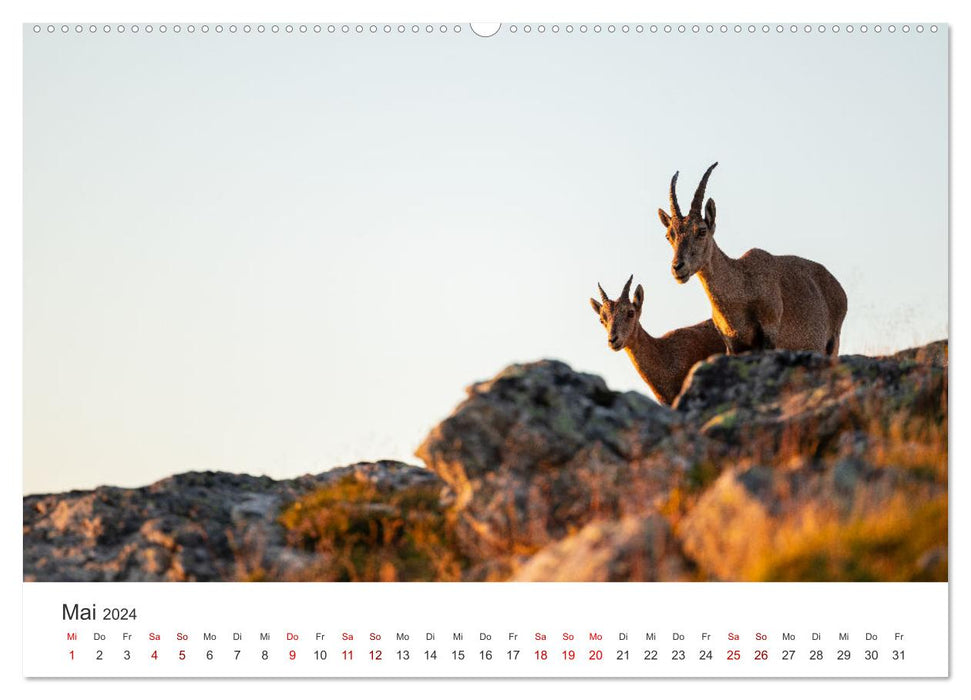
277	254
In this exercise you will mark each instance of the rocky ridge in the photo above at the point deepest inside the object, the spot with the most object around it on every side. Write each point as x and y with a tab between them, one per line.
770	466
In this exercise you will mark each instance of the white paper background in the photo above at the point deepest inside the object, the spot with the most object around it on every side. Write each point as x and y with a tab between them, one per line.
10	305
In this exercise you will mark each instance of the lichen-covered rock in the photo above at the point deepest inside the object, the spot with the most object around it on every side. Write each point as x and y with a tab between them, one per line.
541	449
785	407
197	526
934	354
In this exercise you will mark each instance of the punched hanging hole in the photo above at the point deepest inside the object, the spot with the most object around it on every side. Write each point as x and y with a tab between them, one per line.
485	29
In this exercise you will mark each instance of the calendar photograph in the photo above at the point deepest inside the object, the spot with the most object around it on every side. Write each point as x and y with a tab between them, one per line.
377	303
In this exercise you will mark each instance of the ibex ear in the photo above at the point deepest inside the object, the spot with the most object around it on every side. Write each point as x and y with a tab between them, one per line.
596	306
710	214
638	297
665	219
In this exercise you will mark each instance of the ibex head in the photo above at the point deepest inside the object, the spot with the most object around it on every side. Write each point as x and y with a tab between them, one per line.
620	317
691	235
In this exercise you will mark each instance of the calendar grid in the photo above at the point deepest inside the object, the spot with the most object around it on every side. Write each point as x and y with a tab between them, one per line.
483	630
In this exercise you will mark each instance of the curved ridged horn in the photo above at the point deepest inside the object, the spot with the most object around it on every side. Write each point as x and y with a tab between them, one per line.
626	293
675	209
603	294
699	197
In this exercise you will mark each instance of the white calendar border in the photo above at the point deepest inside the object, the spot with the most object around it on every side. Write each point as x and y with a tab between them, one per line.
19	11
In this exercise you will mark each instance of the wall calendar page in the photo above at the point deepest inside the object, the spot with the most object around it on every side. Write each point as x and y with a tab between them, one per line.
421	349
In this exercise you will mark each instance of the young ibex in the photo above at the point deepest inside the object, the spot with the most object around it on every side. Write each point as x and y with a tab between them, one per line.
662	362
759	301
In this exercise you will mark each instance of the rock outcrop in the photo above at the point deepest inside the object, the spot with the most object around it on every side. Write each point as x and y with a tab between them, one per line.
541	450
196	526
770	466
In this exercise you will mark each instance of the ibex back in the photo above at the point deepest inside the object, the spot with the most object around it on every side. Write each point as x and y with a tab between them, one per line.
759	301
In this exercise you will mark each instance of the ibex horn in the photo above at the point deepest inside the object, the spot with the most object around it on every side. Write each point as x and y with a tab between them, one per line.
626	293
700	192
603	294
675	209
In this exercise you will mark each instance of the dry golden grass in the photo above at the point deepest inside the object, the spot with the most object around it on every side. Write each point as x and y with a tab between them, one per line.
916	443
898	543
817	524
360	533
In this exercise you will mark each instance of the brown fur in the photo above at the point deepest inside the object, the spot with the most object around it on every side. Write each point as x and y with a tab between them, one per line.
662	362
759	301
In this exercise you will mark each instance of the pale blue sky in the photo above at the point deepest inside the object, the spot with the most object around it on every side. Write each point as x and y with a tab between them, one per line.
278	254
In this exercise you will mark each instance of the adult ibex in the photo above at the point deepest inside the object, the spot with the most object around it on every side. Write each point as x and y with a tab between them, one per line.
662	362
759	301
